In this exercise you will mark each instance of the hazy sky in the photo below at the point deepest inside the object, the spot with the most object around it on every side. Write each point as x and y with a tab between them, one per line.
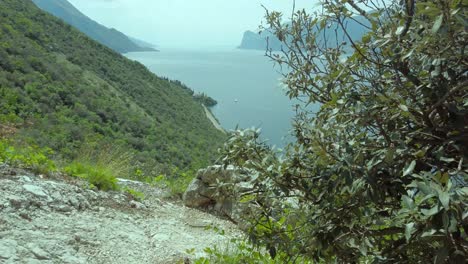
184	22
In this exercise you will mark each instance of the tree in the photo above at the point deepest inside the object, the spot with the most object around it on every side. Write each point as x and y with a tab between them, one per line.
379	172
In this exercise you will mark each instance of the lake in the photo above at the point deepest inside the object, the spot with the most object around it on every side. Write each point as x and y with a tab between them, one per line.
244	82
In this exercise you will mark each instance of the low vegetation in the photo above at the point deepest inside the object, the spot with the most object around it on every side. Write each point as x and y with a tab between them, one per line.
176	182
97	175
136	195
205	100
30	157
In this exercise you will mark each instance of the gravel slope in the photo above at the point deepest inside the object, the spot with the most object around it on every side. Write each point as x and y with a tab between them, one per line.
58	221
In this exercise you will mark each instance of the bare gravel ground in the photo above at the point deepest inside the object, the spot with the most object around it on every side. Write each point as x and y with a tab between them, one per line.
58	221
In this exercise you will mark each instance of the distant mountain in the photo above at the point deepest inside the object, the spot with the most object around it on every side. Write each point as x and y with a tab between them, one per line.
142	43
64	90
109	37
259	41
266	39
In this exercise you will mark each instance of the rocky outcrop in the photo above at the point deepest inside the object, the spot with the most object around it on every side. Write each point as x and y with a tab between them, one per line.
355	28
218	190
59	220
262	41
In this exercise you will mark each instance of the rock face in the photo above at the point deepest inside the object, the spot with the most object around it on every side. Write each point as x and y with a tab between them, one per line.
59	221
218	189
266	39
262	41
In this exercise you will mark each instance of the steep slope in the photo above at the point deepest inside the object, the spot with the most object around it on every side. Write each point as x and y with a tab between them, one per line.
110	37
252	40
65	89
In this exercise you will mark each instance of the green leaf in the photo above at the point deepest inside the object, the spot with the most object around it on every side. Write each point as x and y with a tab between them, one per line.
437	24
410	168
448	160
366	38
429	233
408	202
363	248
409	229
430	212
390	155
463	191
399	30
409	54
444	198
443	178
403	107
420	153
426	189
465	215
247	199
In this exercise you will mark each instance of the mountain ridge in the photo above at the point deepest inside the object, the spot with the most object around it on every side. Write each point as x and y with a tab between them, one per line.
266	39
110	37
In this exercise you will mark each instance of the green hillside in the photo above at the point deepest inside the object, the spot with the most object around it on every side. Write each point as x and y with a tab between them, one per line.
64	89
110	37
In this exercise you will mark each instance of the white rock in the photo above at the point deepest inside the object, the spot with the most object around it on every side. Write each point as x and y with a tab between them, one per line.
73	201
70	259
33	261
56	196
63	208
137	205
38	252
25	179
36	190
8	249
15	201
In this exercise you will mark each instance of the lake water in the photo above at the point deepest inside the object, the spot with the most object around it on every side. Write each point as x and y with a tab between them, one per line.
245	84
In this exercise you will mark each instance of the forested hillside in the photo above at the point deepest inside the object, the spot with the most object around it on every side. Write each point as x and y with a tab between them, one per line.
63	89
110	37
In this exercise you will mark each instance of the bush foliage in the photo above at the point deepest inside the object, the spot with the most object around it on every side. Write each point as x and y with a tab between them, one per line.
31	157
98	176
378	174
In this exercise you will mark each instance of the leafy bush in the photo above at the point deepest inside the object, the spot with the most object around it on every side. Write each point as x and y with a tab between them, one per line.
379	172
176	183
98	176
31	157
240	252
139	196
179	182
100	164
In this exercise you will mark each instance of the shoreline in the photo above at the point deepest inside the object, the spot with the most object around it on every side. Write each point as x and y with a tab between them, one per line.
213	120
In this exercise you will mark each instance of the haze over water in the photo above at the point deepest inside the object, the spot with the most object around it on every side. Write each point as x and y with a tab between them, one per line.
244	82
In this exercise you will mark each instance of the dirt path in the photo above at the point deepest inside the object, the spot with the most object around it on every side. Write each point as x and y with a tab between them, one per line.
56	221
